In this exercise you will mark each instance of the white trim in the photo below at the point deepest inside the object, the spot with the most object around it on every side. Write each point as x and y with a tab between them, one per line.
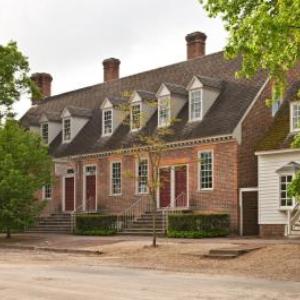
63	130
112	121
110	178
285	207
131	116
292	129
84	186
237	132
250	189
44	193
168	98
199	189
41	131
279	151
64	191
137	175
190	105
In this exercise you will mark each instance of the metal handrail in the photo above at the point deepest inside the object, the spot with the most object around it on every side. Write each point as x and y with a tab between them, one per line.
133	212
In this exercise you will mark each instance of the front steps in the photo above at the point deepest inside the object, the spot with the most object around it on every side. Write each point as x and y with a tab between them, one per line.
295	232
143	225
54	223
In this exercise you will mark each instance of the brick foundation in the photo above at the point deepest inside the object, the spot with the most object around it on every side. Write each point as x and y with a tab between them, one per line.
271	230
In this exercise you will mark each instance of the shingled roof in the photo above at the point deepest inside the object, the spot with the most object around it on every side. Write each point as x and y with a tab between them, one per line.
233	101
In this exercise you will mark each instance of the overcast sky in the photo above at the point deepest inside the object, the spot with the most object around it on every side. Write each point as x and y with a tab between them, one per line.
70	38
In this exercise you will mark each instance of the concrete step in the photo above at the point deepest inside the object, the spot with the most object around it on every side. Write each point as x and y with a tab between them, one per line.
141	233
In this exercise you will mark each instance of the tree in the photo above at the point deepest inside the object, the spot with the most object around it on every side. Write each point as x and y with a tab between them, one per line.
266	33
24	168
14	78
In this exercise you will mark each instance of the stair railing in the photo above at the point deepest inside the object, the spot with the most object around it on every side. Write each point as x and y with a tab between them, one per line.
293	217
133	212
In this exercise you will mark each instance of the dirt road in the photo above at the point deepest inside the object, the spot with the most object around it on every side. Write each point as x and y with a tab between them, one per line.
55	279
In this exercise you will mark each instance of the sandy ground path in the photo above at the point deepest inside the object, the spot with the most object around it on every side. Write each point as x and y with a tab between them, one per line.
50	280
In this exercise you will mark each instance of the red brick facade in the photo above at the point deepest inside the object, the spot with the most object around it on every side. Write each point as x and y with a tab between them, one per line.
271	230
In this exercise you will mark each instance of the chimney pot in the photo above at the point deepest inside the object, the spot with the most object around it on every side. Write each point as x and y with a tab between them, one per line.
43	82
195	44
111	69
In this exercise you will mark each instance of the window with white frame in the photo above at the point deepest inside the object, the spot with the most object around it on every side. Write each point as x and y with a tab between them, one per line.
206	170
47	192
285	199
164	112
107	122
142	180
90	170
295	115
116	184
67	130
195	105
135	117
45	132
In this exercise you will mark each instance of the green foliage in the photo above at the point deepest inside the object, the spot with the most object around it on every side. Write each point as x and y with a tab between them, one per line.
14	78
198	225
24	168
265	33
96	224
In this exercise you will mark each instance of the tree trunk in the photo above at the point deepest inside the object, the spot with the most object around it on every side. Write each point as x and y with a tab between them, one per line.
8	234
154	210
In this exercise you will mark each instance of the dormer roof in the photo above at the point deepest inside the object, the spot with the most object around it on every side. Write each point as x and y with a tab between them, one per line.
80	112
172	89
205	81
291	167
50	117
113	101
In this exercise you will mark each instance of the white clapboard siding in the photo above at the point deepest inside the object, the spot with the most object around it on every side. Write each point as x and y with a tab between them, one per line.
268	186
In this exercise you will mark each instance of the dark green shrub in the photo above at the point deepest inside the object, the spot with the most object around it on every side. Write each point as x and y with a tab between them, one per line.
198	225
95	224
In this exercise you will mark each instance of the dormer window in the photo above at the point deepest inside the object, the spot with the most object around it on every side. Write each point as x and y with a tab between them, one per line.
45	132
107	122
67	130
135	117
195	105
295	116
164	112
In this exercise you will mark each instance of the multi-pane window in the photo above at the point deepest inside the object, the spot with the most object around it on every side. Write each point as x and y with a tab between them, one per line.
195	105
107	122
285	199
142	179
135	116
45	133
206	170
296	116
164	112
47	192
116	178
67	129
90	170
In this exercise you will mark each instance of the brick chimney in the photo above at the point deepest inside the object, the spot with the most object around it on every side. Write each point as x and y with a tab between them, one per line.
195	44
43	82
111	69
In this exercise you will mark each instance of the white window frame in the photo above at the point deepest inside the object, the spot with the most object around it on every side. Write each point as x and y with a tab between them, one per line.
164	98
191	118
137	182
111	178
285	207
42	132
103	122
45	197
131	116
200	188
63	130
292	128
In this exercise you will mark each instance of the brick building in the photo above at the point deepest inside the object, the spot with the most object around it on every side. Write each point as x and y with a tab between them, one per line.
211	157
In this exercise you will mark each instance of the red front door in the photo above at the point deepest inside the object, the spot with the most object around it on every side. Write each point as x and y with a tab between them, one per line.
165	187
180	186
90	193
69	194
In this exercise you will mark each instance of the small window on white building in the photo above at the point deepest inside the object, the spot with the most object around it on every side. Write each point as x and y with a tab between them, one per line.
206	170
66	130
116	181
135	117
195	105
164	112
285	200
47	192
142	180
45	132
295	116
107	122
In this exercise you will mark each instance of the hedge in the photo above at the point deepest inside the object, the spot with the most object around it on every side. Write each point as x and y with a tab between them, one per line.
95	224
198	225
